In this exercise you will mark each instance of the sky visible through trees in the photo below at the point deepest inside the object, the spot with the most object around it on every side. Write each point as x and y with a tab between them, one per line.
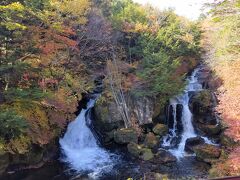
188	8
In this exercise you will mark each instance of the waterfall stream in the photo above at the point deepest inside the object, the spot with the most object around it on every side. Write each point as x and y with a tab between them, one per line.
80	148
186	118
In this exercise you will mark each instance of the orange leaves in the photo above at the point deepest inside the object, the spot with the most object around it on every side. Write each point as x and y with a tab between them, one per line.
56	42
230	166
229	97
49	47
66	40
50	42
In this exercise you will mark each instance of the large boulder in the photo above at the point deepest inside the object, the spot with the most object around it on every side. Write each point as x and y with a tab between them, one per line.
164	157
151	140
207	152
107	116
134	149
192	142
125	136
160	129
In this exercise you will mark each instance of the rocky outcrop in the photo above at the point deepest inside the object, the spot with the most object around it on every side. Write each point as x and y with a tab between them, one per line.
144	110
202	105
108	119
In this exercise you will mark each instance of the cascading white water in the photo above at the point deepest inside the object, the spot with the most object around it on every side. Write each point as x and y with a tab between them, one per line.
186	119
80	147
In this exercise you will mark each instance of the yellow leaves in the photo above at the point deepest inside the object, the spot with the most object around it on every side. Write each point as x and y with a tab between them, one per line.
9	15
16	6
139	27
14	26
188	38
75	8
19	145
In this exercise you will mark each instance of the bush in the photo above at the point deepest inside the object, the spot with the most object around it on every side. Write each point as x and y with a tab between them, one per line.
11	124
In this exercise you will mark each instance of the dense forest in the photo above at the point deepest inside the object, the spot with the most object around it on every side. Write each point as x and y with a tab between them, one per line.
53	53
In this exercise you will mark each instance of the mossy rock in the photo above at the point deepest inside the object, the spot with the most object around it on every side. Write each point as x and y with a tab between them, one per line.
160	129
107	116
140	152
134	149
207	152
151	140
146	154
125	136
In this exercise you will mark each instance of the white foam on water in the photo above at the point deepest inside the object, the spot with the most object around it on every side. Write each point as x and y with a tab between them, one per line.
81	150
186	119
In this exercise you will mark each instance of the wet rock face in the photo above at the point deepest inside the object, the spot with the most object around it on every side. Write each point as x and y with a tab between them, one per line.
207	152
125	136
179	110
192	142
204	119
201	103
142	109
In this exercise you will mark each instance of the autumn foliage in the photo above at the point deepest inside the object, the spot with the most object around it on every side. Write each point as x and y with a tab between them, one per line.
222	45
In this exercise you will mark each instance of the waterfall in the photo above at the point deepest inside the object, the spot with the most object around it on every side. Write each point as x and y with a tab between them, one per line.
80	148
186	118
